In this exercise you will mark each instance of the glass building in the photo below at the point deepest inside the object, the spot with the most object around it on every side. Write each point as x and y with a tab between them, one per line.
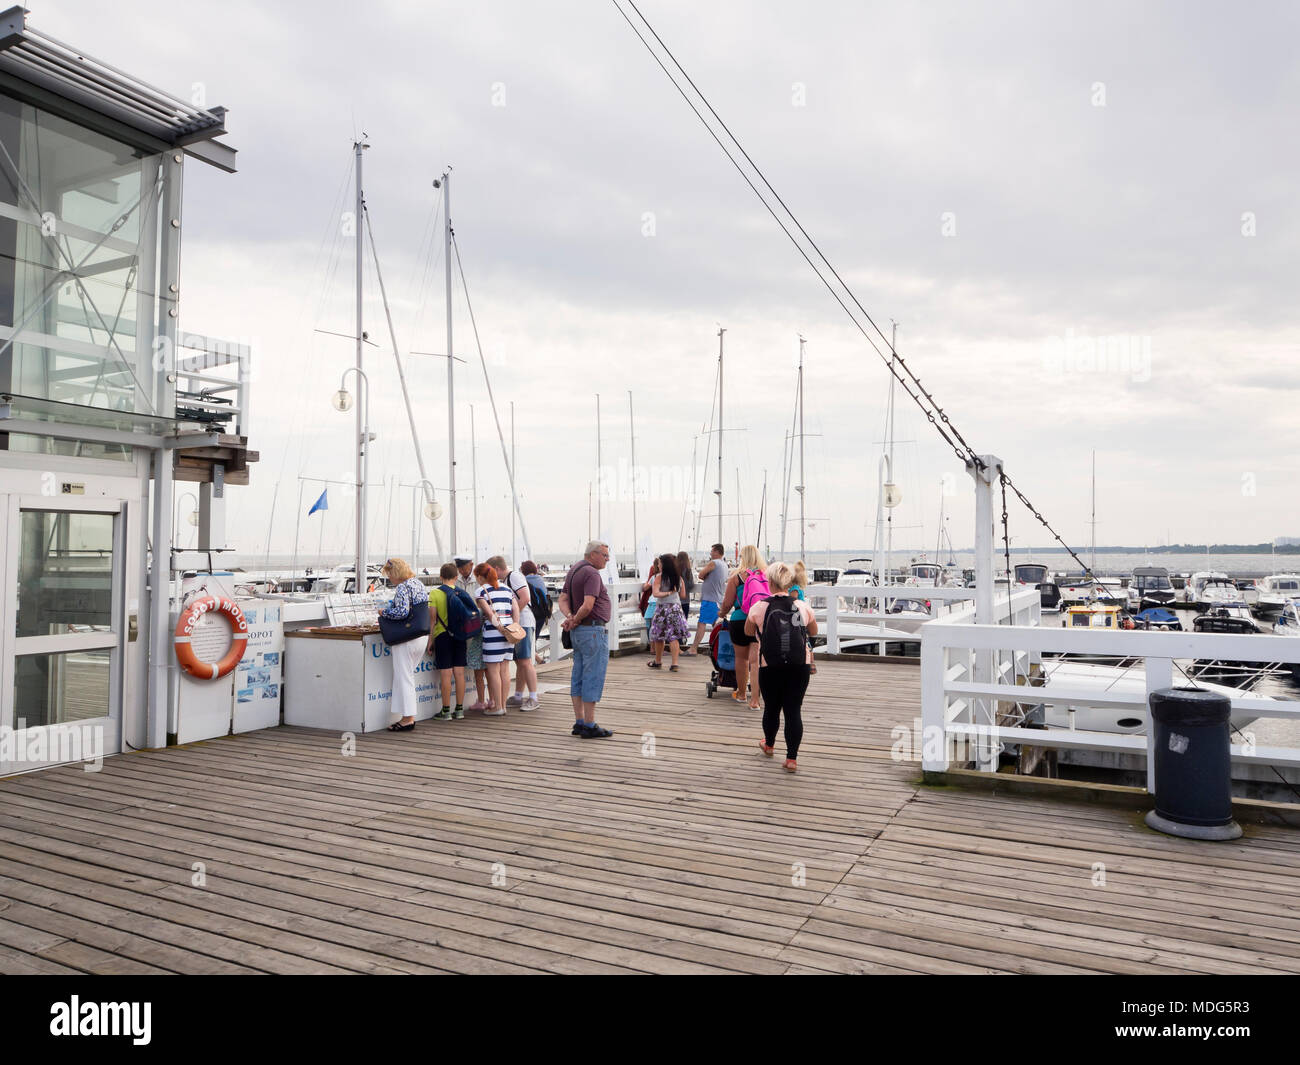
91	165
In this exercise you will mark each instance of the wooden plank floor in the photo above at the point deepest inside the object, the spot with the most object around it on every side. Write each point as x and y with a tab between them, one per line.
507	845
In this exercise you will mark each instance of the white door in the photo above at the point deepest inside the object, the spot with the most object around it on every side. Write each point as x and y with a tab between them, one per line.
61	642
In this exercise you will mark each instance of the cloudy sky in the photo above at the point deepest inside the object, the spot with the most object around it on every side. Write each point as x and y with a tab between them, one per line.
1013	183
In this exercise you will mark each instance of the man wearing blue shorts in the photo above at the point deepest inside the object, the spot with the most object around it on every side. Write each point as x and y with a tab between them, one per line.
584	602
713	579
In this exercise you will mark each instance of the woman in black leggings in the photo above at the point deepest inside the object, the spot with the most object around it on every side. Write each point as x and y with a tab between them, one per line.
784	680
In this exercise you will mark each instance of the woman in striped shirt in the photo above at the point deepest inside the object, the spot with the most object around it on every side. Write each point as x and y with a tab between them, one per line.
500	608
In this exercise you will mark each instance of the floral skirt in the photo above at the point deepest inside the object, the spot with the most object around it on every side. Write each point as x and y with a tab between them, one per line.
668	623
474	652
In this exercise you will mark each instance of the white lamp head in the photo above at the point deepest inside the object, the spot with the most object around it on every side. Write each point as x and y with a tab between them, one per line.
342	400
893	495
433	510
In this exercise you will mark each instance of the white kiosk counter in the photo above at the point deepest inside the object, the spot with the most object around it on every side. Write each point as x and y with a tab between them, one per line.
341	678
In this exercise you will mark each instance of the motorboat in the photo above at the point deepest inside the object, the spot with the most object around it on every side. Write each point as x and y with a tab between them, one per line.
1085	589
1275	592
1111	681
1027	573
1150	586
1230	617
1157	618
857	572
924	575
1099	615
1210	588
1288	624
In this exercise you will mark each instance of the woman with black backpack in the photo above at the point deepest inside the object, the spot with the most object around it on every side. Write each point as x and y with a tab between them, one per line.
782	626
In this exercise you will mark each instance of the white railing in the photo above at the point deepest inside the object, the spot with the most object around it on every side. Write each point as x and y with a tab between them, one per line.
623	598
968	669
859	620
212	392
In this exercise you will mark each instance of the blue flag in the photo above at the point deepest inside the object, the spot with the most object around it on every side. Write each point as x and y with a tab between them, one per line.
321	504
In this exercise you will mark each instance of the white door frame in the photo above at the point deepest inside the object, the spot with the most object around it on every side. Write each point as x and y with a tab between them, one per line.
13	647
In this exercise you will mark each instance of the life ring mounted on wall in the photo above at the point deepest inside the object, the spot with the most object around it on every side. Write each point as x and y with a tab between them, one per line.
183	638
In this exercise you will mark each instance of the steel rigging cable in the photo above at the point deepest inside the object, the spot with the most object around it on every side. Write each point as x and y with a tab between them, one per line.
964	452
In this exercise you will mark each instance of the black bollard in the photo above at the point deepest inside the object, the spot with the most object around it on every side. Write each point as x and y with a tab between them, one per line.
1190	743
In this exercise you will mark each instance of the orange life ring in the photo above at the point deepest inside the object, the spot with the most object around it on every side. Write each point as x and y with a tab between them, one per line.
189	618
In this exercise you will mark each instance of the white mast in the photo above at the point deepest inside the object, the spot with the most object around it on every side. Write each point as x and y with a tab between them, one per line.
1093	523
800	487
719	490
451	362
514	499
473	459
362	444
599	478
631	428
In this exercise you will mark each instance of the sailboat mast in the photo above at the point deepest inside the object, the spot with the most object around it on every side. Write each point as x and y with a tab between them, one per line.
451	362
631	429
598	468
802	545
473	460
362	443
720	332
1094	511
514	501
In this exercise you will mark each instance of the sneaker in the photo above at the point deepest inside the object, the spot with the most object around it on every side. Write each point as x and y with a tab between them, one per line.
594	732
443	715
500	711
531	703
515	700
478	704
458	714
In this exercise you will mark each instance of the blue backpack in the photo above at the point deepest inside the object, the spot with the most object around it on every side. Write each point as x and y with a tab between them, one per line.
463	619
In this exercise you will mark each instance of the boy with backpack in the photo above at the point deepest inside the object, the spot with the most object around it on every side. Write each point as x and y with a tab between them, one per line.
454	618
782	626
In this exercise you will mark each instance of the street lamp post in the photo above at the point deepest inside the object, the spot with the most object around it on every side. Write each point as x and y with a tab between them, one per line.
342	401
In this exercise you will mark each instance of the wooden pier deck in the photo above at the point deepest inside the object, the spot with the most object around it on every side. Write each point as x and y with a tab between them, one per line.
507	845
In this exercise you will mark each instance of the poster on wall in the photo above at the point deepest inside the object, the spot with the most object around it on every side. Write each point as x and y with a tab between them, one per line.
259	674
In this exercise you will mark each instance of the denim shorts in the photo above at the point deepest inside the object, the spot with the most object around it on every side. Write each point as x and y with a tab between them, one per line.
524	648
590	660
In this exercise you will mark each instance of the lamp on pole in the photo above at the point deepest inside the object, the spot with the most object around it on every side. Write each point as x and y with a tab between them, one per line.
342	400
194	514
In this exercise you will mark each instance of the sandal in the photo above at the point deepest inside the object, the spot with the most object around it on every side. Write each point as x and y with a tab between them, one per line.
737	697
654	665
790	766
672	669
763	746
399	727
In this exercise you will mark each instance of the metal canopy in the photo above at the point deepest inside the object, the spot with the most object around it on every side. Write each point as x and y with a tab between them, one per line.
56	76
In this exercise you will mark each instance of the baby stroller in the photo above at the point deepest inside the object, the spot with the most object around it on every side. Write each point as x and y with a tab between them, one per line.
723	654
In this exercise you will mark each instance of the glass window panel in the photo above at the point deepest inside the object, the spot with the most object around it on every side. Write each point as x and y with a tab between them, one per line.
65	573
94	205
58	688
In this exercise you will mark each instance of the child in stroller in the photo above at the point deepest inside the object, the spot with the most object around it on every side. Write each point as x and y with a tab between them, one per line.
723	655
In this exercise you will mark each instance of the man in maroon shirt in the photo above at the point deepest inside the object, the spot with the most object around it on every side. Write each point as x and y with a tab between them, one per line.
584	602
